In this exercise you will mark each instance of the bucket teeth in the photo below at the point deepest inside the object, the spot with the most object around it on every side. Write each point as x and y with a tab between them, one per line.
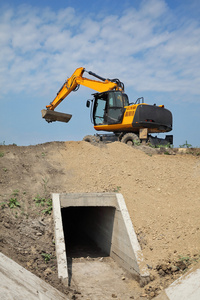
52	116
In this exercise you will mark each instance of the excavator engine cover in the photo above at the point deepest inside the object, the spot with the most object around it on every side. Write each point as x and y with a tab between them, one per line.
52	116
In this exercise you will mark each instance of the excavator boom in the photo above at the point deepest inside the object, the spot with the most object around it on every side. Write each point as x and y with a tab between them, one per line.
72	84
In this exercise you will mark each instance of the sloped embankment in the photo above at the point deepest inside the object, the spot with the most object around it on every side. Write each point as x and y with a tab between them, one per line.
162	193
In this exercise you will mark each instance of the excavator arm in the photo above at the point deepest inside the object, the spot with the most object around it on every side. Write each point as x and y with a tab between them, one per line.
72	84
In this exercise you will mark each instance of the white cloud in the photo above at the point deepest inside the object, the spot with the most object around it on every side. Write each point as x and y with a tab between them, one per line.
147	48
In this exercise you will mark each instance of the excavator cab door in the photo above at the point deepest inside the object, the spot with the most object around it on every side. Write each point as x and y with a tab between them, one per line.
109	107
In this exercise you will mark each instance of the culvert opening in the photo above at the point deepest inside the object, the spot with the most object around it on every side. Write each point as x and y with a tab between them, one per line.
88	230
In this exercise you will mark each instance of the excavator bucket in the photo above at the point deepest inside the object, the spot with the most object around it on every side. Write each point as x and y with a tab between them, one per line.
52	116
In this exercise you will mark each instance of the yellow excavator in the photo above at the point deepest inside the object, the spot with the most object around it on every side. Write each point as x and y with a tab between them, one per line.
111	111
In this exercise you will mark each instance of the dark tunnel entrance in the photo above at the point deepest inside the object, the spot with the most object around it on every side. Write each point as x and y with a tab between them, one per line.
88	230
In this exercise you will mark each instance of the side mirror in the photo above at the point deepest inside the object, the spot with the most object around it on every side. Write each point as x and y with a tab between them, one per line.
88	103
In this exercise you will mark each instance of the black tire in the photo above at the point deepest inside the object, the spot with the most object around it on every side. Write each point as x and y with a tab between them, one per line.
96	138
90	139
130	139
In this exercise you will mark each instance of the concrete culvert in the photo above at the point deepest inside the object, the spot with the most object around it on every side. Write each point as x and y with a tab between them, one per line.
95	225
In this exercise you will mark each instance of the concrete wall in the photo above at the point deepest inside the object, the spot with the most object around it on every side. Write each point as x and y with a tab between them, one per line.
125	246
121	249
99	226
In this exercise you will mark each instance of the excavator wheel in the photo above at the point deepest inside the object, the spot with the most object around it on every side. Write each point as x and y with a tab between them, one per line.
130	139
91	139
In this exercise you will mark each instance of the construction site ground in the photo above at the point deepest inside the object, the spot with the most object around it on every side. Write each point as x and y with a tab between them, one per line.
161	189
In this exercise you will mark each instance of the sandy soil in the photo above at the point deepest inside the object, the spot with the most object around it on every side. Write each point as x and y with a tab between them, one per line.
162	193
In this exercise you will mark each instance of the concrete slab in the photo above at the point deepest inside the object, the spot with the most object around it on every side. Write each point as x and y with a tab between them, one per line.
187	287
59	239
102	278
107	223
18	283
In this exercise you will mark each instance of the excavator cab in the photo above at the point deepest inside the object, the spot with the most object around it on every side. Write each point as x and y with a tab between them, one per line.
109	107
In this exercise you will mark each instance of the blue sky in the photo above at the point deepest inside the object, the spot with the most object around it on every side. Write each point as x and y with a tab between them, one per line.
152	46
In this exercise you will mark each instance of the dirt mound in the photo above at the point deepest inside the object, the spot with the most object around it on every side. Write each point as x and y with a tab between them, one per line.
162	193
